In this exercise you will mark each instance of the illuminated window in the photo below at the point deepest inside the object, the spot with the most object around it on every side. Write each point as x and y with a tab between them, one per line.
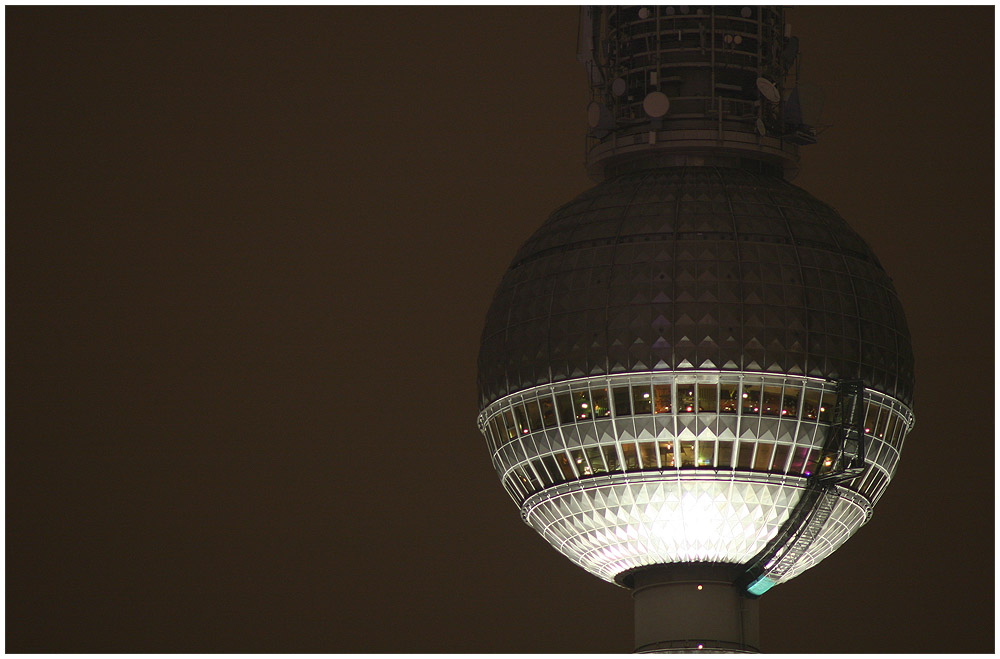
522	419
528	478
630	456
810	404
826	463
790	402
811	463
827	405
780	457
580	461
763	460
565	405
642	402
508	420
661	396
890	433
623	402
883	421
685	398
581	405
601	406
798	459
729	397
746	455
870	417
595	459
647	453
706	453
687	455
751	399
534	415
706	398
542	473
772	401
725	454
611	457
558	466
548	411
666	454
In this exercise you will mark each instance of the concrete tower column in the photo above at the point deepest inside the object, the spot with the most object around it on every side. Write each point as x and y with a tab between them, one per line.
687	607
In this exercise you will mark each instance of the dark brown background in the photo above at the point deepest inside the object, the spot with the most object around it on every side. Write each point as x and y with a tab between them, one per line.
249	254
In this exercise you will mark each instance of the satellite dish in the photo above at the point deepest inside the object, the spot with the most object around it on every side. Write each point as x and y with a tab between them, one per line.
643	13
760	127
746	12
656	104
737	40
669	11
768	90
599	116
618	87
728	38
685	9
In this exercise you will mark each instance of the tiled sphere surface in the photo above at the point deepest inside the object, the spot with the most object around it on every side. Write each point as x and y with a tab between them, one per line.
695	268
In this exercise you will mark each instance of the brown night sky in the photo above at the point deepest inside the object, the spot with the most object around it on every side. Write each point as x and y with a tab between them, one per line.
249	255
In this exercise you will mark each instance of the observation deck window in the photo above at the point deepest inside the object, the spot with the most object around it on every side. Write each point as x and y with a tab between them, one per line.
763	460
661	397
706	453
746	455
580	460
642	402
687	455
751	399
548	411
623	401
611	457
810	405
565	405
827	405
725	454
685	398
596	461
729	397
542	473
666	454
496	430
780	457
534	415
508	421
647	453
772	401
883	421
522	420
790	402
707	398
631	456
601	406
581	405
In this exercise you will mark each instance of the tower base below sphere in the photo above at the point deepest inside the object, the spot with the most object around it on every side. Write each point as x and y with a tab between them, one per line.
692	607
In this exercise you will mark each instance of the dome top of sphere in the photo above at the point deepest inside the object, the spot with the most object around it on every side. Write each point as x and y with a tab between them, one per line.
695	268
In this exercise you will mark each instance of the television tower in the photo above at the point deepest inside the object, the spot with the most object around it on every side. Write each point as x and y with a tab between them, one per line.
695	378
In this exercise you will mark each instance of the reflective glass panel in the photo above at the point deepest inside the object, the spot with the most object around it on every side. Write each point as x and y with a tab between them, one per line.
751	399
826	463
582	468
790	404
706	453
596	461
883	420
811	462
826	406
611	457
687	455
496	430
623	402
552	463
630	456
581	404
780	457
810	404
601	406
685	398
763	460
870	417
647	453
666	454
746	455
565	405
706	398
890	432
642	403
725	454
729	397
522	419
661	398
528	478
542	473
534	415
508	420
548	411
798	459
772	401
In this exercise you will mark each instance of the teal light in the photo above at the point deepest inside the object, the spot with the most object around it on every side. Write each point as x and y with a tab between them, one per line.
760	586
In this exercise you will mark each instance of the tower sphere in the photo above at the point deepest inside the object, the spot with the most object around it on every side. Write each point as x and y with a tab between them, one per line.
695	373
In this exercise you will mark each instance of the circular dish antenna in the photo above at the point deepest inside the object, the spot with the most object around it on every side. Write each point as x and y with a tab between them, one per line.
685	9
669	11
760	127
745	12
599	116
768	90
643	13
656	104
737	40
618	87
